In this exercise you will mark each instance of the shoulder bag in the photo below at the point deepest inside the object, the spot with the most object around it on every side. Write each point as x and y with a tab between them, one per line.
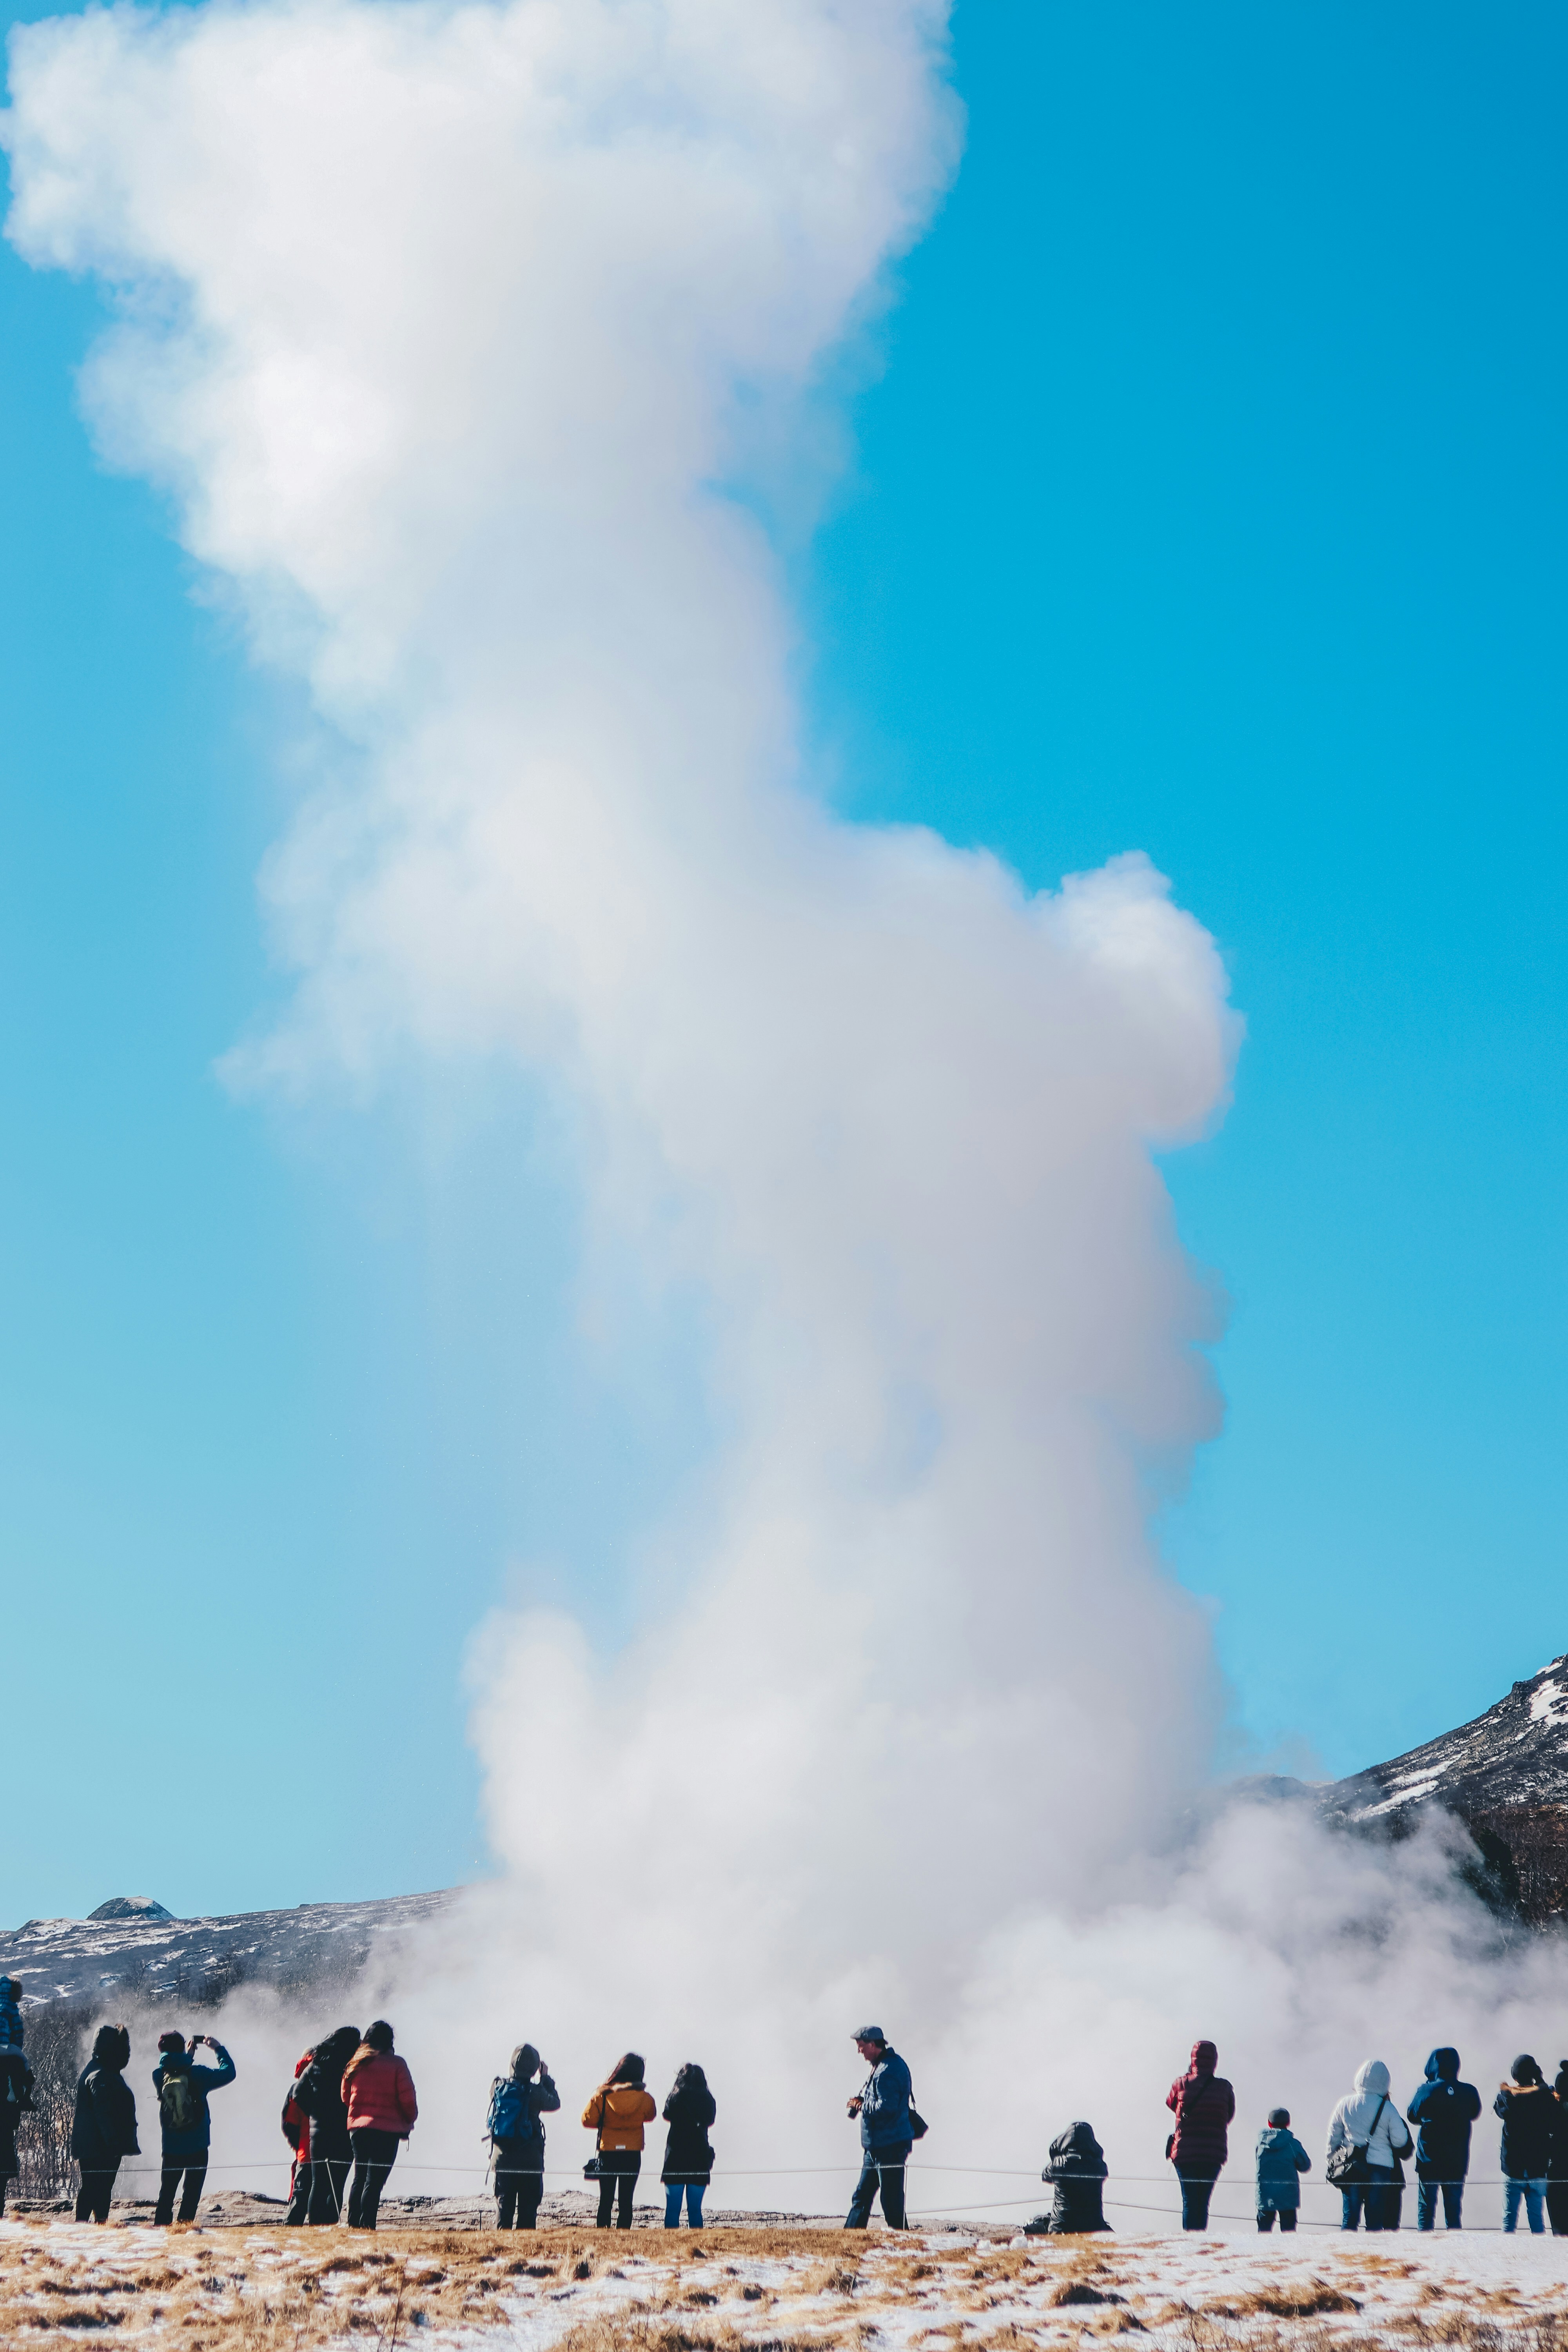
593	2168
1348	2167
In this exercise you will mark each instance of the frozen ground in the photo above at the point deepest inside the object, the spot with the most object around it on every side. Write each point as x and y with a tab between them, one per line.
761	2290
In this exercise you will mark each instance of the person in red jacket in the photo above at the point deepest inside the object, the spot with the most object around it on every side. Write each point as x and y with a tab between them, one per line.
297	2132
378	2092
1202	2104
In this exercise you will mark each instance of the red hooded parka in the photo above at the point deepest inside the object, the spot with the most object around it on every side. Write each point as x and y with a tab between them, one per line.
1202	2104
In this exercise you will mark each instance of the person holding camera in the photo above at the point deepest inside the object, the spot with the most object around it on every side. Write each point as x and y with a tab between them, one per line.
184	2089
887	2134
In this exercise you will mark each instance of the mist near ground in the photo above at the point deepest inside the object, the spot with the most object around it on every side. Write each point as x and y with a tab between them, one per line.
486	355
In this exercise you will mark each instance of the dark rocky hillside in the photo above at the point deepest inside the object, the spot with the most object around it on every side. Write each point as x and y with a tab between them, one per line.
131	1947
1505	1775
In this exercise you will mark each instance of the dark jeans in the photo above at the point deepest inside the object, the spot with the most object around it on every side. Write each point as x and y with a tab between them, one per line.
1380	2199
328	2175
1557	2207
1426	2203
375	2152
519	2181
1198	2188
881	2168
619	2170
691	2191
299	2194
97	2188
194	2169
1287	2216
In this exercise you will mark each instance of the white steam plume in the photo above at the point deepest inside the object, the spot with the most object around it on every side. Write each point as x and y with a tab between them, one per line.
452	329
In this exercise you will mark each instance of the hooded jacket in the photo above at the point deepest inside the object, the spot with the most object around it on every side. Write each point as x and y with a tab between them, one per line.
1353	2122
1443	2110
1528	2114
1077	2170
12	2032
203	2079
689	2111
1202	2104
378	2091
103	2128
1281	2161
618	2111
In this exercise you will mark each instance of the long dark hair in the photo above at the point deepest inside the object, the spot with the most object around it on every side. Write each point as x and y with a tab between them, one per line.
628	2069
339	2047
691	2077
378	2035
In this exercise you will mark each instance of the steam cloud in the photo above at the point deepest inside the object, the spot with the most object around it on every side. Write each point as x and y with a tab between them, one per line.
454	333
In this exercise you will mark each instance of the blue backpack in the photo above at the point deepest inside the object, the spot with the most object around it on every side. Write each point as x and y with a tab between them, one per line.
507	2117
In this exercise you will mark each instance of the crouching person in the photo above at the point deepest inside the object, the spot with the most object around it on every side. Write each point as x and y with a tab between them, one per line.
1281	2161
1078	2173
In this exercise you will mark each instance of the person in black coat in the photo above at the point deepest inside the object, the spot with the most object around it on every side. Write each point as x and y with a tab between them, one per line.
103	2128
1443	2110
319	2093
1077	2171
1528	2114
1557	2161
688	2157
519	2100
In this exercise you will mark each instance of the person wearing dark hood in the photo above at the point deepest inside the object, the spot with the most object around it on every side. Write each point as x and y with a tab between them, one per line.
1365	2118
1528	2113
103	2128
1443	2110
15	2081
1202	2104
319	2095
184	2089
1281	2161
883	2104
1557	2162
688	2157
1077	2171
519	2098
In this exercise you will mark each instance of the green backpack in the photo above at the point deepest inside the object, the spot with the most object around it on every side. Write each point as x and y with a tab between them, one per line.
179	2102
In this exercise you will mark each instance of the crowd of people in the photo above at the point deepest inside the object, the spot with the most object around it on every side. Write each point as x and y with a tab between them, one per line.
1368	2142
351	2105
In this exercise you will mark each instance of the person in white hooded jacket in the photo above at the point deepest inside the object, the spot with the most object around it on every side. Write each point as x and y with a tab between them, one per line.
1368	2118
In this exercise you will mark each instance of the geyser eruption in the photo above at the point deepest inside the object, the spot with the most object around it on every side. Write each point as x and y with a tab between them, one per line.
467	341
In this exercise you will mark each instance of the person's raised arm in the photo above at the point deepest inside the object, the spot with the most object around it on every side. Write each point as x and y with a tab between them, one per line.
546	2097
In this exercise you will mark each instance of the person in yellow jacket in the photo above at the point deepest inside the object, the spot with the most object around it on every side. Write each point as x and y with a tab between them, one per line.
617	2112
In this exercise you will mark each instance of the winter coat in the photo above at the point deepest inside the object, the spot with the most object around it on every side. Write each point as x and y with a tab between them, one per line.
1443	2110
885	2104
1281	2160
103	2128
296	2122
12	2033
618	2111
17	2080
1352	2121
1557	2169
1077	2171
1528	2114
204	2080
378	2091
1202	2104
319	2095
540	2099
686	2154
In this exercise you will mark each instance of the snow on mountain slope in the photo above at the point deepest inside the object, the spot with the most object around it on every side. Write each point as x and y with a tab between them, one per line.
1514	1754
142	1951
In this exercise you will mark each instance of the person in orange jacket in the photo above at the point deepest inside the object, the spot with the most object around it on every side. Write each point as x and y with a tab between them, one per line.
378	2092
617	2112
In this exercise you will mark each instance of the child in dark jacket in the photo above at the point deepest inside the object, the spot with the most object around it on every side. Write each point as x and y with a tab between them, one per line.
1281	2160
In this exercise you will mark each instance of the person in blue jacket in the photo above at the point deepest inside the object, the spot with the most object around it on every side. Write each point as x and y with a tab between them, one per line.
887	2134
183	2089
1281	2161
1443	2110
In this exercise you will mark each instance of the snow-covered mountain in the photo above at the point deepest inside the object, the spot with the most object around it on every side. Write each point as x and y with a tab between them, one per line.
133	1947
1506	1775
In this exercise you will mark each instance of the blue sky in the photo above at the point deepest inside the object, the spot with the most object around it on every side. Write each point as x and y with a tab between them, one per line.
1209	501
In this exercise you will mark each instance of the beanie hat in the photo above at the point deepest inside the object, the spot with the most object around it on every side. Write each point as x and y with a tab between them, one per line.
1525	2070
1279	2118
